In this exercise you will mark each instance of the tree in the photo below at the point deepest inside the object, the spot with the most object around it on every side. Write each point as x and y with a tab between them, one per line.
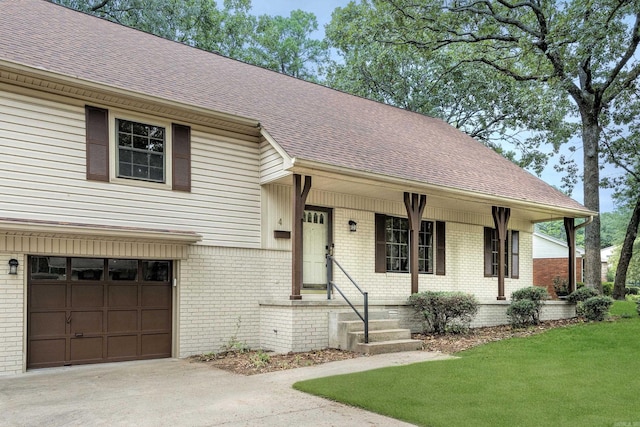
585	51
284	45
439	84
275	42
621	147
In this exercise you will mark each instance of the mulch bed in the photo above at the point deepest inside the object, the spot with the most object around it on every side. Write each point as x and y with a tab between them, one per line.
253	362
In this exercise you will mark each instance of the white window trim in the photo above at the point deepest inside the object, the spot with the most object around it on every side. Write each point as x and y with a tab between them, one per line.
113	154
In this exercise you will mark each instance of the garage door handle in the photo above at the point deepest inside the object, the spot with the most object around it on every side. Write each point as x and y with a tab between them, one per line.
79	334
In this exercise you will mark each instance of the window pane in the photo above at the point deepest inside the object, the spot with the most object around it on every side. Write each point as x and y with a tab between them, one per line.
155	271
125	126
87	268
124	169
140	129
123	269
156	174
48	268
142	147
140	158
124	140
140	172
124	155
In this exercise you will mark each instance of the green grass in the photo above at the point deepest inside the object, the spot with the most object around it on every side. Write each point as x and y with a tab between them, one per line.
582	375
624	308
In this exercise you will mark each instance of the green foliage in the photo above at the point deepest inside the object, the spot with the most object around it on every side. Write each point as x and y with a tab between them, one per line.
445	311
523	313
526	306
638	306
560	286
632	290
556	230
582	294
596	308
607	288
260	359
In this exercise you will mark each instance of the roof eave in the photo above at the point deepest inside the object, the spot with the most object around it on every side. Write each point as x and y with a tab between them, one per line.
300	165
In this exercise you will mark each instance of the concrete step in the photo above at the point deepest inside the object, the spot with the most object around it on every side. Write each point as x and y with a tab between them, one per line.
347	326
393	346
350	315
354	338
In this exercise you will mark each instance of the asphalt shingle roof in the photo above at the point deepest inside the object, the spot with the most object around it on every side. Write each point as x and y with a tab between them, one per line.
307	120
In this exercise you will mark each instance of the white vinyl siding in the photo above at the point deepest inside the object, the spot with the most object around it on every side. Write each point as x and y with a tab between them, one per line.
44	178
271	164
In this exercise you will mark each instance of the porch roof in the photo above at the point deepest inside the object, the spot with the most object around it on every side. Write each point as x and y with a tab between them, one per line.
308	121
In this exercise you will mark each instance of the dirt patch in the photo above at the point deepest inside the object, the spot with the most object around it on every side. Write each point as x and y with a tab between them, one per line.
258	362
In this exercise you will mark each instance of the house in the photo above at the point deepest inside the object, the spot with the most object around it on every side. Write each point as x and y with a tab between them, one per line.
550	261
157	200
607	262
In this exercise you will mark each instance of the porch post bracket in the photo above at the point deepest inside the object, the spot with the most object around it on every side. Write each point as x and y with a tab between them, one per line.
501	219
570	229
415	204
299	200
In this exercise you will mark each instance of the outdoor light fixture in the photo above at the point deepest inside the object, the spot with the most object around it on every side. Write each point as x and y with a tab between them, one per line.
13	266
352	225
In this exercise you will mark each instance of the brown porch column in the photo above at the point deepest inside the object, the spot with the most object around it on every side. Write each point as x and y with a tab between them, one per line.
299	199
501	219
570	228
415	204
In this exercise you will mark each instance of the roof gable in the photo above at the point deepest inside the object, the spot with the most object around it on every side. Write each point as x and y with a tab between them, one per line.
307	120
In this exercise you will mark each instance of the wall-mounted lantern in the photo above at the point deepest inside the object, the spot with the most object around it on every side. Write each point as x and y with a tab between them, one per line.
13	266
353	225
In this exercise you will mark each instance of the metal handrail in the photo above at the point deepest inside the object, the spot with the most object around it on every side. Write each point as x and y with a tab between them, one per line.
331	284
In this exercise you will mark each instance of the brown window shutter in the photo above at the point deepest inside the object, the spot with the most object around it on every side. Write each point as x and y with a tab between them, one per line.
381	243
181	157
440	249
488	232
515	254
97	126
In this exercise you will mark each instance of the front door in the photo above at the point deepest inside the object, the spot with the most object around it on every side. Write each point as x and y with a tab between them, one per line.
315	238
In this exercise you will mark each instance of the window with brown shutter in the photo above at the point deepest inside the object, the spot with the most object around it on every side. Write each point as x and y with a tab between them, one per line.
181	157
512	259
97	132
392	245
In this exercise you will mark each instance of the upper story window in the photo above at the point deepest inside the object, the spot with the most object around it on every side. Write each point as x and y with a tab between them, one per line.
141	151
129	151
392	245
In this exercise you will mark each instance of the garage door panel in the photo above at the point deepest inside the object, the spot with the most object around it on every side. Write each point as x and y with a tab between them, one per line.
123	295
156	320
47	352
122	321
86	322
156	344
47	323
122	346
86	295
86	349
48	295
156	295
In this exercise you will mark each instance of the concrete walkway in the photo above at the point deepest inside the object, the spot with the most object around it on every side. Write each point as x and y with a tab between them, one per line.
172	392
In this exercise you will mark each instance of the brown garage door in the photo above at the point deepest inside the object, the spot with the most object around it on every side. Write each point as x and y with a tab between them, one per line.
94	310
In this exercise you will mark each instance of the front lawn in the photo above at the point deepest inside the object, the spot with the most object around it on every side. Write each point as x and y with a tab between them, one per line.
581	375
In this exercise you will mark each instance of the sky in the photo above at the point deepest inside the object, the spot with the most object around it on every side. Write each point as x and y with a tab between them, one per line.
322	9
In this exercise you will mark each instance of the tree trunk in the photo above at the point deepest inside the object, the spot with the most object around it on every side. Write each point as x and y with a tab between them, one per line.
626	253
590	144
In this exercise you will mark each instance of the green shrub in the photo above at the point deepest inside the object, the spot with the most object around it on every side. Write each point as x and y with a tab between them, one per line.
560	286
638	306
607	288
632	290
445	311
596	308
523	312
581	294
528	312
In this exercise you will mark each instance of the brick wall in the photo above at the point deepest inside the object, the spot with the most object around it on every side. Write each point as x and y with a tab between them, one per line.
219	291
545	269
12	312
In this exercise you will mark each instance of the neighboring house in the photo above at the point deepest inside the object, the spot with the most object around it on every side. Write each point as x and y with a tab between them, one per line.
161	200
607	262
550	261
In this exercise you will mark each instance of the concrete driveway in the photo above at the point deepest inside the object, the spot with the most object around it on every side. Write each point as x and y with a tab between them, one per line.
174	392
